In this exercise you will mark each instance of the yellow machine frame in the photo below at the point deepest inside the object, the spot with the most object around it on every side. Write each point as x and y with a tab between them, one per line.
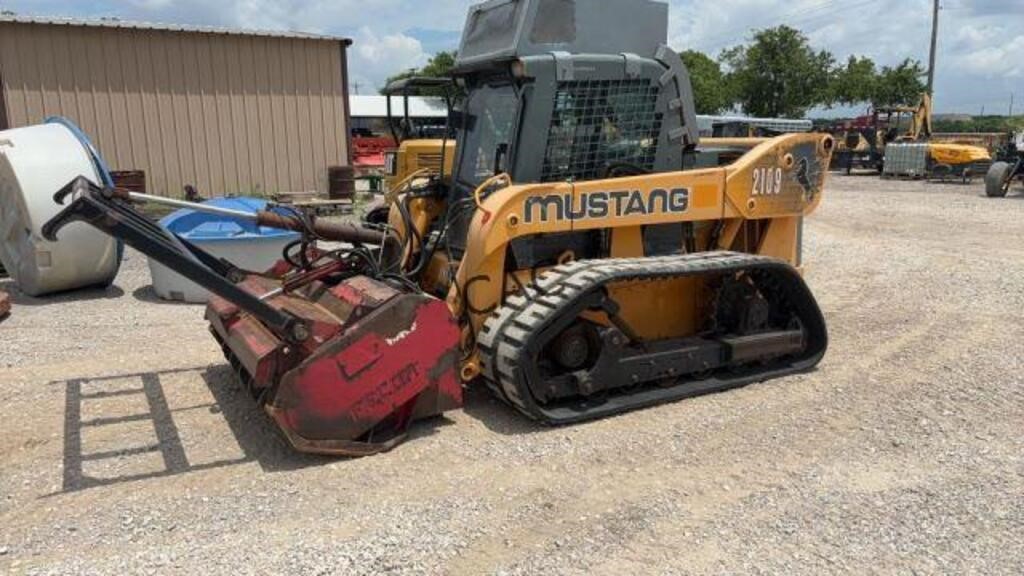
768	187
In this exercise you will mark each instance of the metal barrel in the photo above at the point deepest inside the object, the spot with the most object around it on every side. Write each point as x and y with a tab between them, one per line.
341	182
134	180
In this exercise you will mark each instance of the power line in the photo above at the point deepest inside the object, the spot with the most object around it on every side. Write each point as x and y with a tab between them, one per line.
781	19
838	10
827	9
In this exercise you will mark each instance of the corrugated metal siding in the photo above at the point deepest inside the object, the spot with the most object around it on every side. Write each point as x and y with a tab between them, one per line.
227	113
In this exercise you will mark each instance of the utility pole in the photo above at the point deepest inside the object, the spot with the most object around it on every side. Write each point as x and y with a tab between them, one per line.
935	41
1011	105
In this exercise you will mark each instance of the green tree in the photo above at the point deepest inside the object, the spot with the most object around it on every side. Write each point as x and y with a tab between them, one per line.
779	74
899	85
855	83
439	66
711	92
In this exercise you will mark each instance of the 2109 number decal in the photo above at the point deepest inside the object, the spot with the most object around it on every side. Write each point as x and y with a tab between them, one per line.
767	182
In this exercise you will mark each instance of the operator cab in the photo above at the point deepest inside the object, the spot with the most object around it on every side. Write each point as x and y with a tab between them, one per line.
568	90
552	96
561	90
404	127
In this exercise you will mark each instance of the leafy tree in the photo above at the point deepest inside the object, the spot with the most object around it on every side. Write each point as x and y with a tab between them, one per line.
711	92
855	83
899	85
779	74
439	66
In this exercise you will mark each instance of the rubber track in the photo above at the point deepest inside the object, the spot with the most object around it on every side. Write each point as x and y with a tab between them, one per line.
507	331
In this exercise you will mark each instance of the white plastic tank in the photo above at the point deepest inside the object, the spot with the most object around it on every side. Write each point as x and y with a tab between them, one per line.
36	162
241	242
908	159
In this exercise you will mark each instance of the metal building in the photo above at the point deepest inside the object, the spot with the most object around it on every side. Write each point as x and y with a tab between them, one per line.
229	111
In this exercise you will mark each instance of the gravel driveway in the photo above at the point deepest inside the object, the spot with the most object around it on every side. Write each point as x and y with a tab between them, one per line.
127	447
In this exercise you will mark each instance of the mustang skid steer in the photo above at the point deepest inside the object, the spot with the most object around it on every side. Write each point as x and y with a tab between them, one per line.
583	256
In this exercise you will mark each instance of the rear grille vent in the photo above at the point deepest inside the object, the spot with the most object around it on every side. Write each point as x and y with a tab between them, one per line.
429	161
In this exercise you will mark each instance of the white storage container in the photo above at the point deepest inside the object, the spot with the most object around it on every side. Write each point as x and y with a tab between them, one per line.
35	163
906	159
241	242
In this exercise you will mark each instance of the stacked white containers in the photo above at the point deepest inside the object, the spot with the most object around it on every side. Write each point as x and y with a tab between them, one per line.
906	159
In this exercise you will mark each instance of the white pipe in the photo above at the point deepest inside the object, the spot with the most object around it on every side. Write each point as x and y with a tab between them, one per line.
139	197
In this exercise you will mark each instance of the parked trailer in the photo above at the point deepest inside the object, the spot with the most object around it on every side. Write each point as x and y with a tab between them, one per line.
743	126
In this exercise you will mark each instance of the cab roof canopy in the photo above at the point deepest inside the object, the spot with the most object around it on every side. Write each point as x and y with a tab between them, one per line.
501	30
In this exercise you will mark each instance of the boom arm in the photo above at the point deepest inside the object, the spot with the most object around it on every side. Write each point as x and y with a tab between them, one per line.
922	127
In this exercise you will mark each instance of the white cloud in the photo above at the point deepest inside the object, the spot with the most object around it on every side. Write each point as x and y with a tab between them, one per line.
381	48
979	58
972	51
374	57
994	62
397	50
152	4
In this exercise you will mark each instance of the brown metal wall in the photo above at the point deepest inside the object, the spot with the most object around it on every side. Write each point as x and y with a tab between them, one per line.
228	113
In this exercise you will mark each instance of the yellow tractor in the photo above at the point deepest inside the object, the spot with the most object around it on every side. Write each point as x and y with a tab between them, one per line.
575	248
920	152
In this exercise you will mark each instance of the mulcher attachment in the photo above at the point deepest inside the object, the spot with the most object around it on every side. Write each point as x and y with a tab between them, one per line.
342	362
376	360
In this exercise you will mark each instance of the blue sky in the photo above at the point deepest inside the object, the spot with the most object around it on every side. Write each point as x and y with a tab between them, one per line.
981	56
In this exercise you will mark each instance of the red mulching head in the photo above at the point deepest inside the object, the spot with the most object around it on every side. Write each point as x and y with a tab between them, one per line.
378	359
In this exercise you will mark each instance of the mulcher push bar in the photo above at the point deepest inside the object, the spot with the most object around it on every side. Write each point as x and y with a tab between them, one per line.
106	210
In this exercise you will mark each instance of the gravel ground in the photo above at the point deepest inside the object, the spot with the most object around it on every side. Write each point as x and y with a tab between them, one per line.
127	447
